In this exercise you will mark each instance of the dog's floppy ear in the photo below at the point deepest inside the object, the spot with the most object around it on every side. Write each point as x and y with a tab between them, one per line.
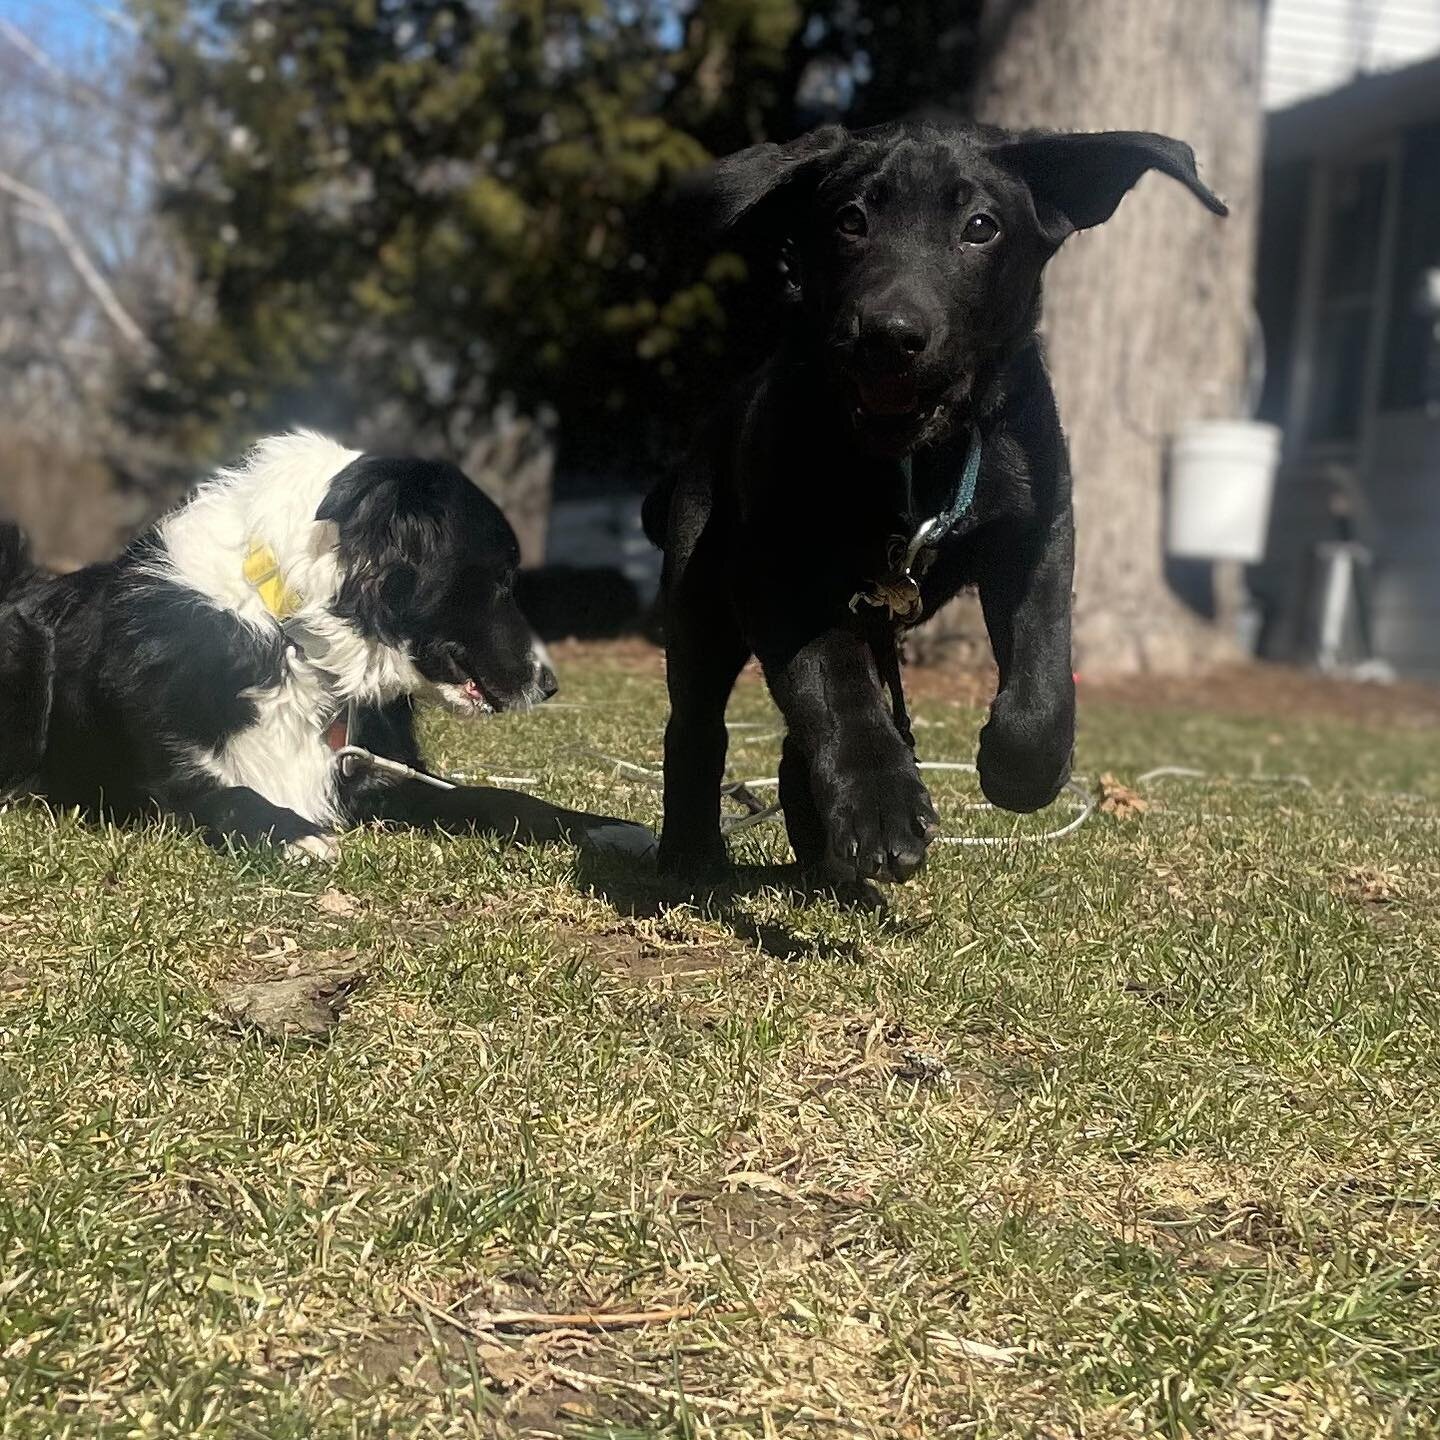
740	184
382	508
363	499
1078	180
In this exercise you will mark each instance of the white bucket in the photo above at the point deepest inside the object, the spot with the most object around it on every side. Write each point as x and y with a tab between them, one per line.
1222	476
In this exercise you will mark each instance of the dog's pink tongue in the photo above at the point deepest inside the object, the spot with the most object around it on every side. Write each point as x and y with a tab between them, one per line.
473	691
890	395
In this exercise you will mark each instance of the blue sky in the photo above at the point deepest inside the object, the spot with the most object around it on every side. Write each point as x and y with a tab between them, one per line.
62	26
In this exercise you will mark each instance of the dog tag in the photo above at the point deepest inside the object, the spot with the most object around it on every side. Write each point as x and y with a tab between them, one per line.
898	592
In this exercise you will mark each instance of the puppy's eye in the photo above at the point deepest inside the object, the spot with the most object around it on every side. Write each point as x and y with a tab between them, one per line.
851	221
981	229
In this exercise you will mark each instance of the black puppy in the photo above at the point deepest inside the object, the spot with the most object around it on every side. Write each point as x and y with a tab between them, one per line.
901	442
243	665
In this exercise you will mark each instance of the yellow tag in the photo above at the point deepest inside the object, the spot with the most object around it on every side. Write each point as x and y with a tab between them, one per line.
262	571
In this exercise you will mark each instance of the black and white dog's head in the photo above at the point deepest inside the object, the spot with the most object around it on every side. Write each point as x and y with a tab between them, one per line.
427	565
917	250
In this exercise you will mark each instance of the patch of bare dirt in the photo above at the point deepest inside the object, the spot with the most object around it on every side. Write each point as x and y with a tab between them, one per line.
1277	691
306	1001
1263	690
523	1398
634	958
761	1231
867	1053
15	979
562	1410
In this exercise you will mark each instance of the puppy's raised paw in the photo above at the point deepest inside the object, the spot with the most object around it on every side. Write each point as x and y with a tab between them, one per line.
313	850
1024	760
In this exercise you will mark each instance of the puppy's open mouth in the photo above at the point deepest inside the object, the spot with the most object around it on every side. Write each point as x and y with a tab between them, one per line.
890	397
890	415
471	698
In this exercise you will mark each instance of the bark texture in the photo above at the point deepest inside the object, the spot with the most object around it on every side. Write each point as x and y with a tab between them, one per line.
514	463
1147	317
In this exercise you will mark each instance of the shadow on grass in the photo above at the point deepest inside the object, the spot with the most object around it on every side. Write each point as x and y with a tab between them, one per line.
642	893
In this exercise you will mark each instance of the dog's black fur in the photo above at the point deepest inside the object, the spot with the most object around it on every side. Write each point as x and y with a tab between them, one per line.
113	678
914	256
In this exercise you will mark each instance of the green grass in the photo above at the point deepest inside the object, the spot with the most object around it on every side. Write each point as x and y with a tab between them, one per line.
1182	1172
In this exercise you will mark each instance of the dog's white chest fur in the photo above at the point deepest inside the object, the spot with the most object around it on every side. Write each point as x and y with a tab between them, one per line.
272	500
284	755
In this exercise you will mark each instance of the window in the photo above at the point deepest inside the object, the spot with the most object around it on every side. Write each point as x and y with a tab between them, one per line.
1412	358
1353	234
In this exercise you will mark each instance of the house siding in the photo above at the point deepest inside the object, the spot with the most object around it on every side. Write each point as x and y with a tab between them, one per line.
1316	45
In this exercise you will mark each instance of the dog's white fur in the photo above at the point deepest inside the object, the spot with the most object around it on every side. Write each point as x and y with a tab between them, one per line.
271	498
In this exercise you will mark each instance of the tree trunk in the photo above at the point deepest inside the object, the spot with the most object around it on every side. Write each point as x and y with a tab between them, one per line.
1146	318
514	463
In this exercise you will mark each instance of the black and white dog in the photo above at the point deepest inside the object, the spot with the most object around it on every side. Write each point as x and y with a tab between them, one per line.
900	443
296	606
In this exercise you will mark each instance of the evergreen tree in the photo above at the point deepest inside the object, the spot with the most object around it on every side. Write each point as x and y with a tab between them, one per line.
407	210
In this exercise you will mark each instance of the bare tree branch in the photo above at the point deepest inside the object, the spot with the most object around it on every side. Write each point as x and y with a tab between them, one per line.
42	210
111	16
31	51
67	85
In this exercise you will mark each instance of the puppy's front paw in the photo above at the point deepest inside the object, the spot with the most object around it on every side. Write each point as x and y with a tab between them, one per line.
878	825
313	850
1024	765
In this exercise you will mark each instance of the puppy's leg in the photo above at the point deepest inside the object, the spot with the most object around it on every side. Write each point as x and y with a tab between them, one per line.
507	814
1026	746
865	793
704	654
803	822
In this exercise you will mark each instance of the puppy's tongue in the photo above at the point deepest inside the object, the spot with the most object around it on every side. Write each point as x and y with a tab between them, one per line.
474	692
889	395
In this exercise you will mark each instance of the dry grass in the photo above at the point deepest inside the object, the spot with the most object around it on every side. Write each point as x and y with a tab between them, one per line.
1134	1134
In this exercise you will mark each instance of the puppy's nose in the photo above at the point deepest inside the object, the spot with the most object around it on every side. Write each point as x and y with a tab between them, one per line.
891	340
545	682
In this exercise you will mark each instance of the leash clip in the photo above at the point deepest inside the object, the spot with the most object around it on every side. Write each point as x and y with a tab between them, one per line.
899	591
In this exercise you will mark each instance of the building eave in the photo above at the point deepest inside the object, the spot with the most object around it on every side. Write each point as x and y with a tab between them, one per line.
1356	114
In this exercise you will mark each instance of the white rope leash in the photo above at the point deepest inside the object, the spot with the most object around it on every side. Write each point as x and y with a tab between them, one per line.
653	776
1184	772
1084	801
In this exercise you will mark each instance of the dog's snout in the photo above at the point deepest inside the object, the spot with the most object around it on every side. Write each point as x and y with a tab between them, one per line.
545	682
891	339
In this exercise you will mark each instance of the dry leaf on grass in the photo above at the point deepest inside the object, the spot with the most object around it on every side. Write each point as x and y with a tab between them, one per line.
942	1342
308	1001
1371	886
760	1181
1120	800
336	902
